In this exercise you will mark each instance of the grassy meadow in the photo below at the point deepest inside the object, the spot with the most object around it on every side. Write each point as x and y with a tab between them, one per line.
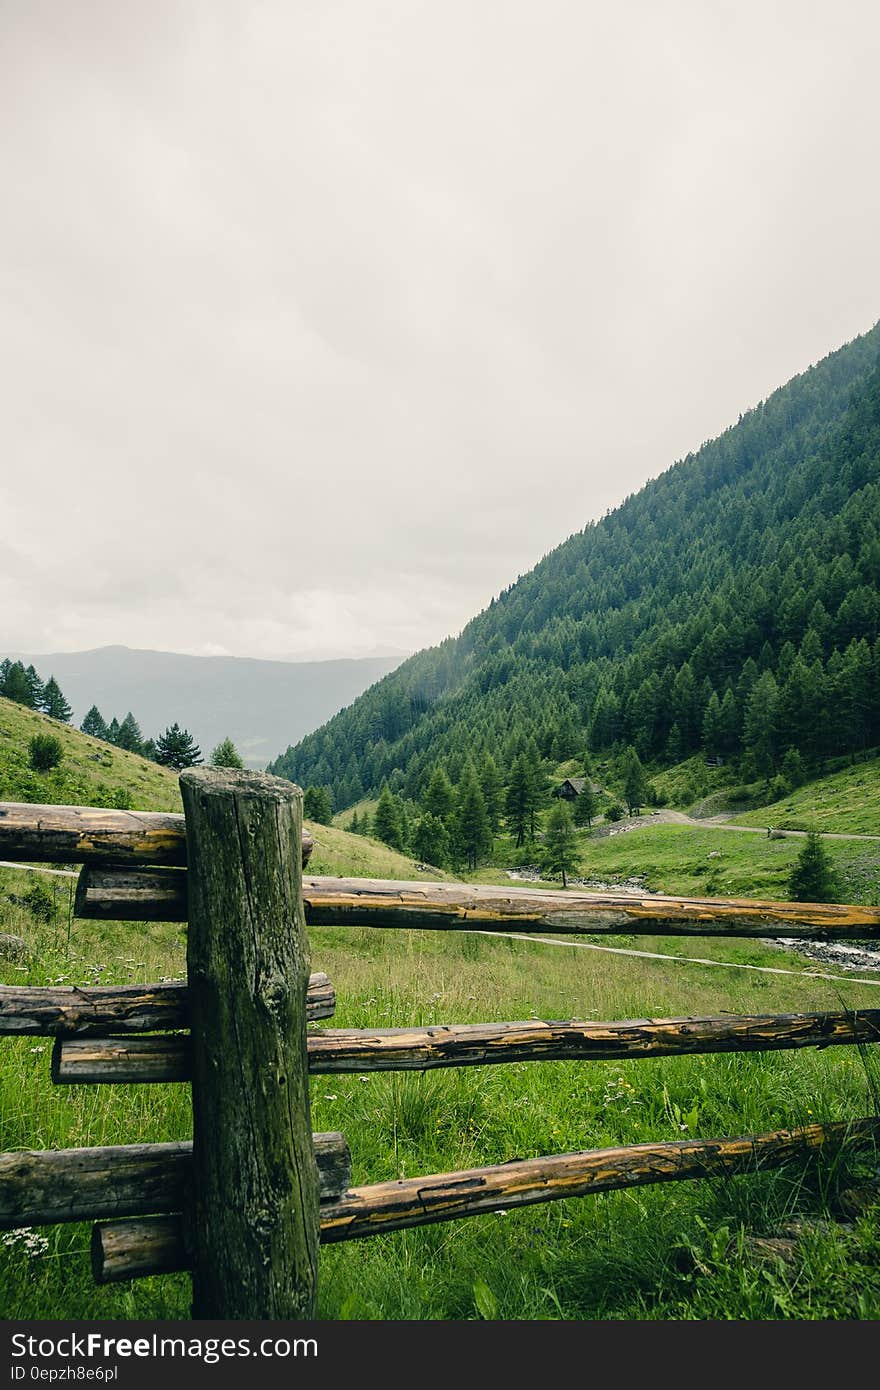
693	1250
687	1250
845	802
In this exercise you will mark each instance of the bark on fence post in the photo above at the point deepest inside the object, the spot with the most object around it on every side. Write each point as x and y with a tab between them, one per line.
255	1220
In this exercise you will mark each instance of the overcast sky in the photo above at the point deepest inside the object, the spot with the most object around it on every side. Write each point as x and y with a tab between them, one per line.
321	322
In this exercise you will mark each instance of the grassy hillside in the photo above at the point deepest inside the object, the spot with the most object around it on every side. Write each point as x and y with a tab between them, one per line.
92	773
846	802
355	856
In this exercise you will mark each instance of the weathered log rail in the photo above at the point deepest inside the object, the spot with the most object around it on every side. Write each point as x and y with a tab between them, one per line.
102	1010
129	1249
45	1187
330	902
167	1057
245	1205
37	834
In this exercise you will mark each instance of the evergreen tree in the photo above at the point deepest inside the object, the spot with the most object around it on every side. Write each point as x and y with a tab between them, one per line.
587	806
227	755
176	748
560	842
386	822
94	724
430	842
130	736
813	878
519	800
712	736
761	727
16	685
317	805
113	731
635	783
472	833
492	789
36	693
53	702
438	798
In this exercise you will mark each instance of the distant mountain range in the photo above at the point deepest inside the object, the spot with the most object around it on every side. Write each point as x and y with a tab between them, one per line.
261	705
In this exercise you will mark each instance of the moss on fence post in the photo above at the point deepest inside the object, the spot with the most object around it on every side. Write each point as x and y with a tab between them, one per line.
253	1220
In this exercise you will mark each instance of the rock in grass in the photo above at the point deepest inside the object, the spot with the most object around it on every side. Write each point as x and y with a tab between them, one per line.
13	947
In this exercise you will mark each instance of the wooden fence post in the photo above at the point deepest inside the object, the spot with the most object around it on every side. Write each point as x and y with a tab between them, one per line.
254	1215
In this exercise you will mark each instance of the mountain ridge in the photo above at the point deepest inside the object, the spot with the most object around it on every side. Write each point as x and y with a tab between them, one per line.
746	535
253	701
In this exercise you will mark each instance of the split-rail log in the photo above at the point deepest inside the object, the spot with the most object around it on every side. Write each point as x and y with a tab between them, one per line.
167	1058
360	902
42	1187
102	1010
255	1183
35	834
127	1250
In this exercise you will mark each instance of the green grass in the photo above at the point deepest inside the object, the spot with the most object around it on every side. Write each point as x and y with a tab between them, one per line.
696	861
678	1251
846	802
91	773
344	818
357	856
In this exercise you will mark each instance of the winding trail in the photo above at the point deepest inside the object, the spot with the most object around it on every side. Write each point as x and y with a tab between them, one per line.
667	817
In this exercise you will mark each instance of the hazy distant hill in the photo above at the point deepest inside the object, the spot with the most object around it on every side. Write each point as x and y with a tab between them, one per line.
260	705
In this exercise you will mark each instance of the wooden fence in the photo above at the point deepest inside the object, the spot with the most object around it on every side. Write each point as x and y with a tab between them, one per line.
246	1204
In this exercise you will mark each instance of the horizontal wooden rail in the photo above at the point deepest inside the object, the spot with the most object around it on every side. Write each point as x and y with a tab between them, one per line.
167	1058
70	834
40	1188
126	1250
447	906
99	1010
360	902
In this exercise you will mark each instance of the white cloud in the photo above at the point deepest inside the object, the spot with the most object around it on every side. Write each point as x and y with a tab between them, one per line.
322	323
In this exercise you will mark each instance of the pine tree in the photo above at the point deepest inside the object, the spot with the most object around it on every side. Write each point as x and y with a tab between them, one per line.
438	798
635	783
386	822
226	755
813	878
317	805
472	833
113	731
586	806
37	691
130	736
430	843
53	702
16	685
518	800
761	727
492	789
94	724
560	842
177	748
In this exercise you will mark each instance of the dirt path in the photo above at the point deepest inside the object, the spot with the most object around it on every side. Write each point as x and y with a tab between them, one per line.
667	817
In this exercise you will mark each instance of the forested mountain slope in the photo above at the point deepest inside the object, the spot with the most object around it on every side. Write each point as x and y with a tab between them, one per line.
731	605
